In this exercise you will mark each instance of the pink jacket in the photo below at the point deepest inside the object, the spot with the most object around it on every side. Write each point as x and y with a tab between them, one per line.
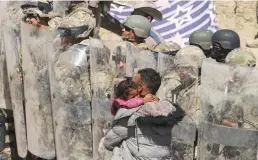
120	103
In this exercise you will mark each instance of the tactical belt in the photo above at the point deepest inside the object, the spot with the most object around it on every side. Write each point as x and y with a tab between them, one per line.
184	131
72	31
228	136
43	7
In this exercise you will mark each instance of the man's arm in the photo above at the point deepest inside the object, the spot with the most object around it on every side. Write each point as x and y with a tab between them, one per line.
116	135
131	103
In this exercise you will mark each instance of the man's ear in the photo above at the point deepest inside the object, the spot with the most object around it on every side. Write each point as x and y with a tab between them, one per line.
38	20
140	88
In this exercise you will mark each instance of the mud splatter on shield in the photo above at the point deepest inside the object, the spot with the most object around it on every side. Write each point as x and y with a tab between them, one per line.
69	80
102	84
12	46
172	88
137	59
165	68
37	93
229	112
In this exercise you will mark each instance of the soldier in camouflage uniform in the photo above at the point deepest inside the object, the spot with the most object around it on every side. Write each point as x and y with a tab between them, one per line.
188	62
234	114
89	8
242	57
202	39
224	41
74	33
182	87
136	29
38	13
149	11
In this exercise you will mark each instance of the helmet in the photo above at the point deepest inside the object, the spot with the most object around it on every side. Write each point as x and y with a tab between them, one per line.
168	47
190	56
149	8
228	39
142	8
79	24
242	57
139	24
201	38
41	8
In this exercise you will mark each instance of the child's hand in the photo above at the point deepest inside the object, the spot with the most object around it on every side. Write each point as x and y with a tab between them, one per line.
150	98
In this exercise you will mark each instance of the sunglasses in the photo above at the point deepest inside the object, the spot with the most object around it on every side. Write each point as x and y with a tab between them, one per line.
43	7
72	31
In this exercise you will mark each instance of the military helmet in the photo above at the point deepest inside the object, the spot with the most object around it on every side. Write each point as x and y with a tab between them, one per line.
139	24
242	57
168	47
147	8
228	39
201	38
41	8
190	56
79	24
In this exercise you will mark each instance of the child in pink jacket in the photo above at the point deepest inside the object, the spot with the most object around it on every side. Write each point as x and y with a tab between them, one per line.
126	96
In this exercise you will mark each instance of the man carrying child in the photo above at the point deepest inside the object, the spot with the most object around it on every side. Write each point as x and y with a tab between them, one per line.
139	132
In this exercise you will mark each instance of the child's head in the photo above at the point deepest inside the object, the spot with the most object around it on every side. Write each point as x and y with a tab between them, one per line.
126	89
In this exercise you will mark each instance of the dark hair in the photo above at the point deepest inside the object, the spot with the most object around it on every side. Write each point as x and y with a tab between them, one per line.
151	78
123	88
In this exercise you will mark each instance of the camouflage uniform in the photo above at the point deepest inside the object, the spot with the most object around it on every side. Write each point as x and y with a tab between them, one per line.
170	79
238	110
149	8
70	81
242	57
146	8
91	9
33	8
189	60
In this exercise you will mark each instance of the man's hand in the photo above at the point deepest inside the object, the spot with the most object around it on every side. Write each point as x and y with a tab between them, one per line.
150	98
228	123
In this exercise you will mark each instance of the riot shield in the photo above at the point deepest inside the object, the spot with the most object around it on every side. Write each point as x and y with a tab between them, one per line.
228	112
169	78
183	84
119	58
102	84
37	93
11	42
137	58
70	90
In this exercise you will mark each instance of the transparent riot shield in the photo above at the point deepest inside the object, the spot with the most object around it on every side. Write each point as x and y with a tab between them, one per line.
12	47
137	59
102	84
39	122
60	7
119	57
5	97
228	112
169	77
70	89
184	93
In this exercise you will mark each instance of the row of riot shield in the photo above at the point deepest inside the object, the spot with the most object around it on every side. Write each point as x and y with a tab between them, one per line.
130	59
229	114
68	90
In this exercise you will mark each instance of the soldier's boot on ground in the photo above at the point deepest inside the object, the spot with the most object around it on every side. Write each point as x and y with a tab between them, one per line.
252	43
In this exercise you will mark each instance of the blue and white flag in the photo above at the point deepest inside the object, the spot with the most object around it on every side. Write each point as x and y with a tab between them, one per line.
180	18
